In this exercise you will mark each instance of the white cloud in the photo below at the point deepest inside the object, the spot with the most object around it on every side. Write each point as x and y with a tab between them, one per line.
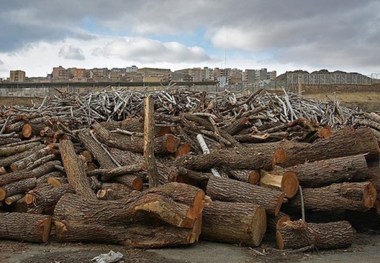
70	52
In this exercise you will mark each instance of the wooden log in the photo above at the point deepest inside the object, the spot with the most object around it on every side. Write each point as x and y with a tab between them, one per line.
344	142
43	179
10	150
165	144
20	175
240	158
2	170
113	191
230	190
23	163
96	150
18	156
286	182
132	181
146	206
325	172
238	125
247	176
107	174
18	187
239	223
274	222
298	234
75	171
25	227
42	200
137	236
14	198
347	196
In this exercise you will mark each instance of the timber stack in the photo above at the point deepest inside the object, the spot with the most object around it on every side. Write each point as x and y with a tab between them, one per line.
171	167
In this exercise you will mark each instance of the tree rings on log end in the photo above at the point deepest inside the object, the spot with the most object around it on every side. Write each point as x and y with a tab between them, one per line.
46	225
279	156
253	177
289	184
172	143
258	226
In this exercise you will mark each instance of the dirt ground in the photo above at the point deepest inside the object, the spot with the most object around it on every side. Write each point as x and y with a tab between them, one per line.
364	249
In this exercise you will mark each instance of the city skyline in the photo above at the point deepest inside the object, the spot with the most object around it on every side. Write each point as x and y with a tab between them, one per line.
286	36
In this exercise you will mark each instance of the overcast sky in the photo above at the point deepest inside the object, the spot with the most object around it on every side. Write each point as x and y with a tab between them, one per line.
280	35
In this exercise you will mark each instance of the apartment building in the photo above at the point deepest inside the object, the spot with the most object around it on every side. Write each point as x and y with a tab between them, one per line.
99	74
17	76
155	74
60	74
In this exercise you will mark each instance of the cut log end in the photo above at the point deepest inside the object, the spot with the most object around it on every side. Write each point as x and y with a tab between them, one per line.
172	143
325	132
29	198
282	220
279	156
280	200
289	184
280	240
196	208
369	195
3	194
183	150
137	184
27	131
254	177
258	226
54	181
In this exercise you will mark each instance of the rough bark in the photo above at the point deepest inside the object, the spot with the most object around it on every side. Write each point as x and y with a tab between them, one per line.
274	222
298	234
247	176
165	144
10	150
25	227
23	163
132	181
344	142
113	191
136	236
75	170
241	158
230	190
239	223
18	187
325	172
107	174
15	157
347	196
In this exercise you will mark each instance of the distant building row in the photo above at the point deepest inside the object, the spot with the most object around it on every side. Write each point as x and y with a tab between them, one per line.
135	74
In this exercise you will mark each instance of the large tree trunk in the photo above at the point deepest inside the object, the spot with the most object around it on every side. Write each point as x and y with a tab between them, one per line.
240	223
298	234
230	190
135	236
25	227
239	158
344	142
165	203
325	172
346	196
75	170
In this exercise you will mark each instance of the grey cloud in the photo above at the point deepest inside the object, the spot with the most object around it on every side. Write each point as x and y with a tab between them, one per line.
148	50
1	62
70	52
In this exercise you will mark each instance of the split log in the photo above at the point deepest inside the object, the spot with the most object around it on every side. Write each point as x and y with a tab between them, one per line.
137	236
165	144
11	150
25	227
325	172
74	170
17	187
298	234
275	222
344	142
107	174
286	182
240	158
230	190
23	163
346	196
239	223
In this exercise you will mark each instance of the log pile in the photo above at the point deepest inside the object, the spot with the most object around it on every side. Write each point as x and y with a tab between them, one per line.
104	168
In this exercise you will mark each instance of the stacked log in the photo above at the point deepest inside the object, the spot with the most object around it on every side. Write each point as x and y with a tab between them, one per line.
92	175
